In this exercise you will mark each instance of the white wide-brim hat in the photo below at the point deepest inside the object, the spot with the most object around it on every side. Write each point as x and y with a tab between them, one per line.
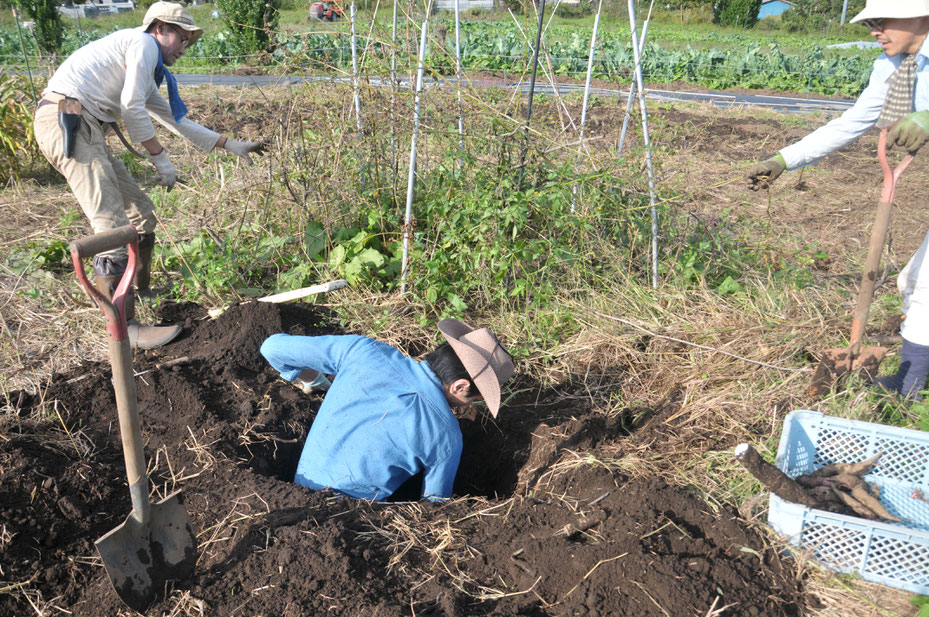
487	362
174	14
892	9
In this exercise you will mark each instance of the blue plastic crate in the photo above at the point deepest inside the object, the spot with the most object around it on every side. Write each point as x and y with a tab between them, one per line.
893	554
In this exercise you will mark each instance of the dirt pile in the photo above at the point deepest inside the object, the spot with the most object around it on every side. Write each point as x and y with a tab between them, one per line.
538	526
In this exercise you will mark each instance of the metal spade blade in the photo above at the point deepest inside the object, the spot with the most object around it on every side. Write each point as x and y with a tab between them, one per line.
141	559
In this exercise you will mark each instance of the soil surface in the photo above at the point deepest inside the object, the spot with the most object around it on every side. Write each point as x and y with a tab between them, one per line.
536	527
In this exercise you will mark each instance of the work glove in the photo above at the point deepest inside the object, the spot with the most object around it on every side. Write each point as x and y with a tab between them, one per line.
762	174
910	132
318	384
166	172
242	149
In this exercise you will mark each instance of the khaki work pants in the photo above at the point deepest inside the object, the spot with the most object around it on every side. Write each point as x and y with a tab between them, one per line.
107	194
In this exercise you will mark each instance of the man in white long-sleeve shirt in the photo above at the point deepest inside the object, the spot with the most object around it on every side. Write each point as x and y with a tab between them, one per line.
117	77
901	27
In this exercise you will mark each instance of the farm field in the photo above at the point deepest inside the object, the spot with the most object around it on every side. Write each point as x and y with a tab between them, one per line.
607	484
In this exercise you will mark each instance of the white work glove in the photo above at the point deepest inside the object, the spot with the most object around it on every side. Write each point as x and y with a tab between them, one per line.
242	149
166	172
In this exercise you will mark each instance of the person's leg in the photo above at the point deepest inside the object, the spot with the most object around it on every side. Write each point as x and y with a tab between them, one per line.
141	213
91	176
913	283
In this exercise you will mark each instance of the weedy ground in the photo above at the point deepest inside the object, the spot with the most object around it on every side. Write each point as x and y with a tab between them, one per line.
749	285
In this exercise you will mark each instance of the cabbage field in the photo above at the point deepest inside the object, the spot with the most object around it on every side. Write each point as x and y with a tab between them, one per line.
709	59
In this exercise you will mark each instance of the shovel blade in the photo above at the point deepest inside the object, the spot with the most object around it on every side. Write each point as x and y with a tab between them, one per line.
142	558
836	363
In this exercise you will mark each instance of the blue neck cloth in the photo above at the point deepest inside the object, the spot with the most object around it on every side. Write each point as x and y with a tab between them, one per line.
178	109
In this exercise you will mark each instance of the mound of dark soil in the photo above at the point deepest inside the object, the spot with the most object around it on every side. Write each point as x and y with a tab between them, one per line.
540	528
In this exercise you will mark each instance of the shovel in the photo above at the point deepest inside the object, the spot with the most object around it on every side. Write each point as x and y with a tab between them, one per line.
835	363
156	544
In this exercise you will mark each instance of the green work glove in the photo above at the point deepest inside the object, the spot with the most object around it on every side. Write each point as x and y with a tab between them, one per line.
762	174
910	132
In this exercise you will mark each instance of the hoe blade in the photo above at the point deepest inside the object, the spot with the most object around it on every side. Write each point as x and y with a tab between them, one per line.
142	558
834	364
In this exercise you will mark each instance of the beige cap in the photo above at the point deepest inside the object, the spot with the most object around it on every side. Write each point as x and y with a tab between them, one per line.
893	9
172	13
487	362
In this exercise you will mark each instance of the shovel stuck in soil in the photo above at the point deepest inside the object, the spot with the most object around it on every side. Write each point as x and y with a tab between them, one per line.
156	544
836	363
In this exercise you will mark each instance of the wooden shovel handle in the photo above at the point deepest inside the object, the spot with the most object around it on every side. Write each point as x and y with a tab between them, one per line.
876	244
104	241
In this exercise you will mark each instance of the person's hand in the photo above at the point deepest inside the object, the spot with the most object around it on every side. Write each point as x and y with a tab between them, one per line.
762	174
166	173
910	132
242	149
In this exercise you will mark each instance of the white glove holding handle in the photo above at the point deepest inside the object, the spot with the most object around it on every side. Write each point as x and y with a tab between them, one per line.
165	168
242	149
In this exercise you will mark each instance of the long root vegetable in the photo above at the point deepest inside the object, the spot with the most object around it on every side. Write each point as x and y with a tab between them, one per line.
855	469
773	478
834	488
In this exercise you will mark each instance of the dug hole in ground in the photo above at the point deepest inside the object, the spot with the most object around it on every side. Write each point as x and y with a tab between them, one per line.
525	538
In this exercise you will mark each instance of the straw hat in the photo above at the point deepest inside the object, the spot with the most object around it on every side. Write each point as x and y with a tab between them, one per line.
174	14
487	362
893	9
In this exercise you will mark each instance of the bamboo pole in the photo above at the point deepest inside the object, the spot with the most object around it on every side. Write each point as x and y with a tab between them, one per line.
534	63
648	148
411	178
590	66
458	78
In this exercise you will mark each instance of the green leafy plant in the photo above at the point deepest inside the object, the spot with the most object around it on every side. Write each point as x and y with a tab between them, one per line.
17	141
49	29
252	24
923	603
740	13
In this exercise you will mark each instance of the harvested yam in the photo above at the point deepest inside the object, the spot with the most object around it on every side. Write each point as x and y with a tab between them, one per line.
864	497
834	488
773	478
856	506
855	469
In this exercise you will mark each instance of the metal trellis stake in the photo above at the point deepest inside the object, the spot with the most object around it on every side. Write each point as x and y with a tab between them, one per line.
632	86
22	44
535	63
355	93
590	66
393	94
458	77
648	148
411	180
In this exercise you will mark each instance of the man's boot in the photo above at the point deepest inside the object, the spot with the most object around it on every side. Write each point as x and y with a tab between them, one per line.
910	379
143	272
140	335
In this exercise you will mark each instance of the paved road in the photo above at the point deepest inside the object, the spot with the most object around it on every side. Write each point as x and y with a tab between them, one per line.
719	99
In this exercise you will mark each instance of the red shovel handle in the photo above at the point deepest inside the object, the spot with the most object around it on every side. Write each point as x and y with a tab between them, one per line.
890	175
115	311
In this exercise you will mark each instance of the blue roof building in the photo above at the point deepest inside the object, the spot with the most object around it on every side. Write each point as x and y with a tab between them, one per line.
773	7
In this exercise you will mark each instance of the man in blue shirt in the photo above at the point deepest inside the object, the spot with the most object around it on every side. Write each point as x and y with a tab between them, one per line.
386	417
900	26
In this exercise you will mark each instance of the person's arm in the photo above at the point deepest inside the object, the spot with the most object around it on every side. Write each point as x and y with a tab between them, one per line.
200	136
848	127
290	355
439	478
141	58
